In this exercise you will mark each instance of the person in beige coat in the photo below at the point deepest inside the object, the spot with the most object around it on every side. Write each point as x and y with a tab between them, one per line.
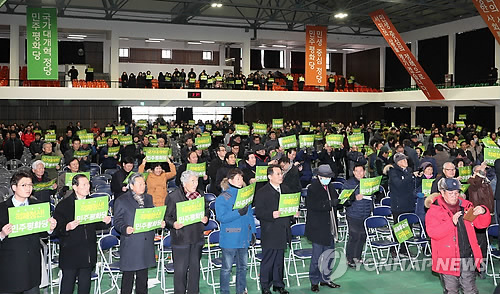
157	180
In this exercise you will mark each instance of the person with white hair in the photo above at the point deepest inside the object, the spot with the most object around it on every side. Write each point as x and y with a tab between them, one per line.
39	177
187	241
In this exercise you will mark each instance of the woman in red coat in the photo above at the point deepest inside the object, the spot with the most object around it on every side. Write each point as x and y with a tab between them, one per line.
455	250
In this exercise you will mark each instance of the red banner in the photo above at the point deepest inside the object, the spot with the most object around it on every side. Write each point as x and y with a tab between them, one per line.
316	55
404	54
490	14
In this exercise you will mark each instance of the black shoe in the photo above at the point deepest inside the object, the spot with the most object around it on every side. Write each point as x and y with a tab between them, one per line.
351	264
315	288
330	284
281	290
266	291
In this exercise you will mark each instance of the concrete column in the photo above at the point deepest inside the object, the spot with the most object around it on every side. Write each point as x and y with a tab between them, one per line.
222	57
246	57
413	116
14	55
497	54
451	113
106	55
382	67
114	68
344	64
497	115
452	39
414	51
288	60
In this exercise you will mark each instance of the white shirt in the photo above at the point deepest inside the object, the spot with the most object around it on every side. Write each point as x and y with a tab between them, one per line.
277	188
17	203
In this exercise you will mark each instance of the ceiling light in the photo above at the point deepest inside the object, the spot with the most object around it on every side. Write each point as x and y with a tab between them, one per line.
124	39
262	46
340	15
279	46
332	50
194	43
215	4
77	36
207	42
349	49
154	39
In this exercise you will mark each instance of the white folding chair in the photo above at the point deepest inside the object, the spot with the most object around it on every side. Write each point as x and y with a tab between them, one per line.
298	254
492	252
419	238
105	265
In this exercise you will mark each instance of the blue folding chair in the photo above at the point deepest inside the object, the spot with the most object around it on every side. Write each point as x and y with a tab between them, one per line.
493	252
209	197
377	243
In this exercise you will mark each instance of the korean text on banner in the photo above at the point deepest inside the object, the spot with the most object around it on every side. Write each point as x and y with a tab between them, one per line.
190	212
243	130
277	123
154	154
260	129
69	177
404	54
44	186
51	161
30	219
288	142
42	45
244	196
335	140
289	204
427	186
261	173
203	143
306	141
316	39
199	168
402	231
91	210
368	186
490	155
490	14
147	219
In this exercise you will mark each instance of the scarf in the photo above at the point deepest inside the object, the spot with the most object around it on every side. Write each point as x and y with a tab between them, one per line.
193	195
139	199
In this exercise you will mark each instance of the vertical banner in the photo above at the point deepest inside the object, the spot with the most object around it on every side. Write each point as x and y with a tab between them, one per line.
316	55
404	54
41	34
490	14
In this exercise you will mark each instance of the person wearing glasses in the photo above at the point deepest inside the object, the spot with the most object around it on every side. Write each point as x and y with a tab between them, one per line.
21	254
449	171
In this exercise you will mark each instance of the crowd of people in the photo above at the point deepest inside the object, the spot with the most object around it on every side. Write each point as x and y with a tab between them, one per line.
203	80
403	156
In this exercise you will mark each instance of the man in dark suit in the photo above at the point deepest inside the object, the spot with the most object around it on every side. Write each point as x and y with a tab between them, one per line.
321	224
20	258
275	231
117	185
137	251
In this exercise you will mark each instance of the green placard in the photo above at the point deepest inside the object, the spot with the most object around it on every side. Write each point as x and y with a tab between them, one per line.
117	137
69	177
288	142
108	129
120	129
465	172
81	132
243	130
450	132
462	116
51	161
44	186
368	186
91	210
490	155
203	143
489	143
178	130
259	129
113	151
154	154
190	212
37	132
50	132
356	140
427	186
142	123
31	219
277	123
50	138
335	140
42	44
318	137
402	231
101	143
437	140
306	124
153	142
148	219
465	187
81	153
346	193
427	132
261	173
368	150
306	141
289	204
125	140
356	131
191	122
460	124
144	174
86	138
217	133
244	196
199	168
479	129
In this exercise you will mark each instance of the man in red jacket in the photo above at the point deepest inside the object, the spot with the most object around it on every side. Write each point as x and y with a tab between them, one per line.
455	250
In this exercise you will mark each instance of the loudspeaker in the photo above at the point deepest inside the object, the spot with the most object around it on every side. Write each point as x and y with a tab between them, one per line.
188	113
126	115
179	114
237	115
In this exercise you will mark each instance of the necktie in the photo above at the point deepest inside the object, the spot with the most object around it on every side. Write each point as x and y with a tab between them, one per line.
23	204
278	189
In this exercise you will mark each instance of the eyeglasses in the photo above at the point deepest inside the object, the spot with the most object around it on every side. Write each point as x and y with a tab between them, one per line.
449	169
